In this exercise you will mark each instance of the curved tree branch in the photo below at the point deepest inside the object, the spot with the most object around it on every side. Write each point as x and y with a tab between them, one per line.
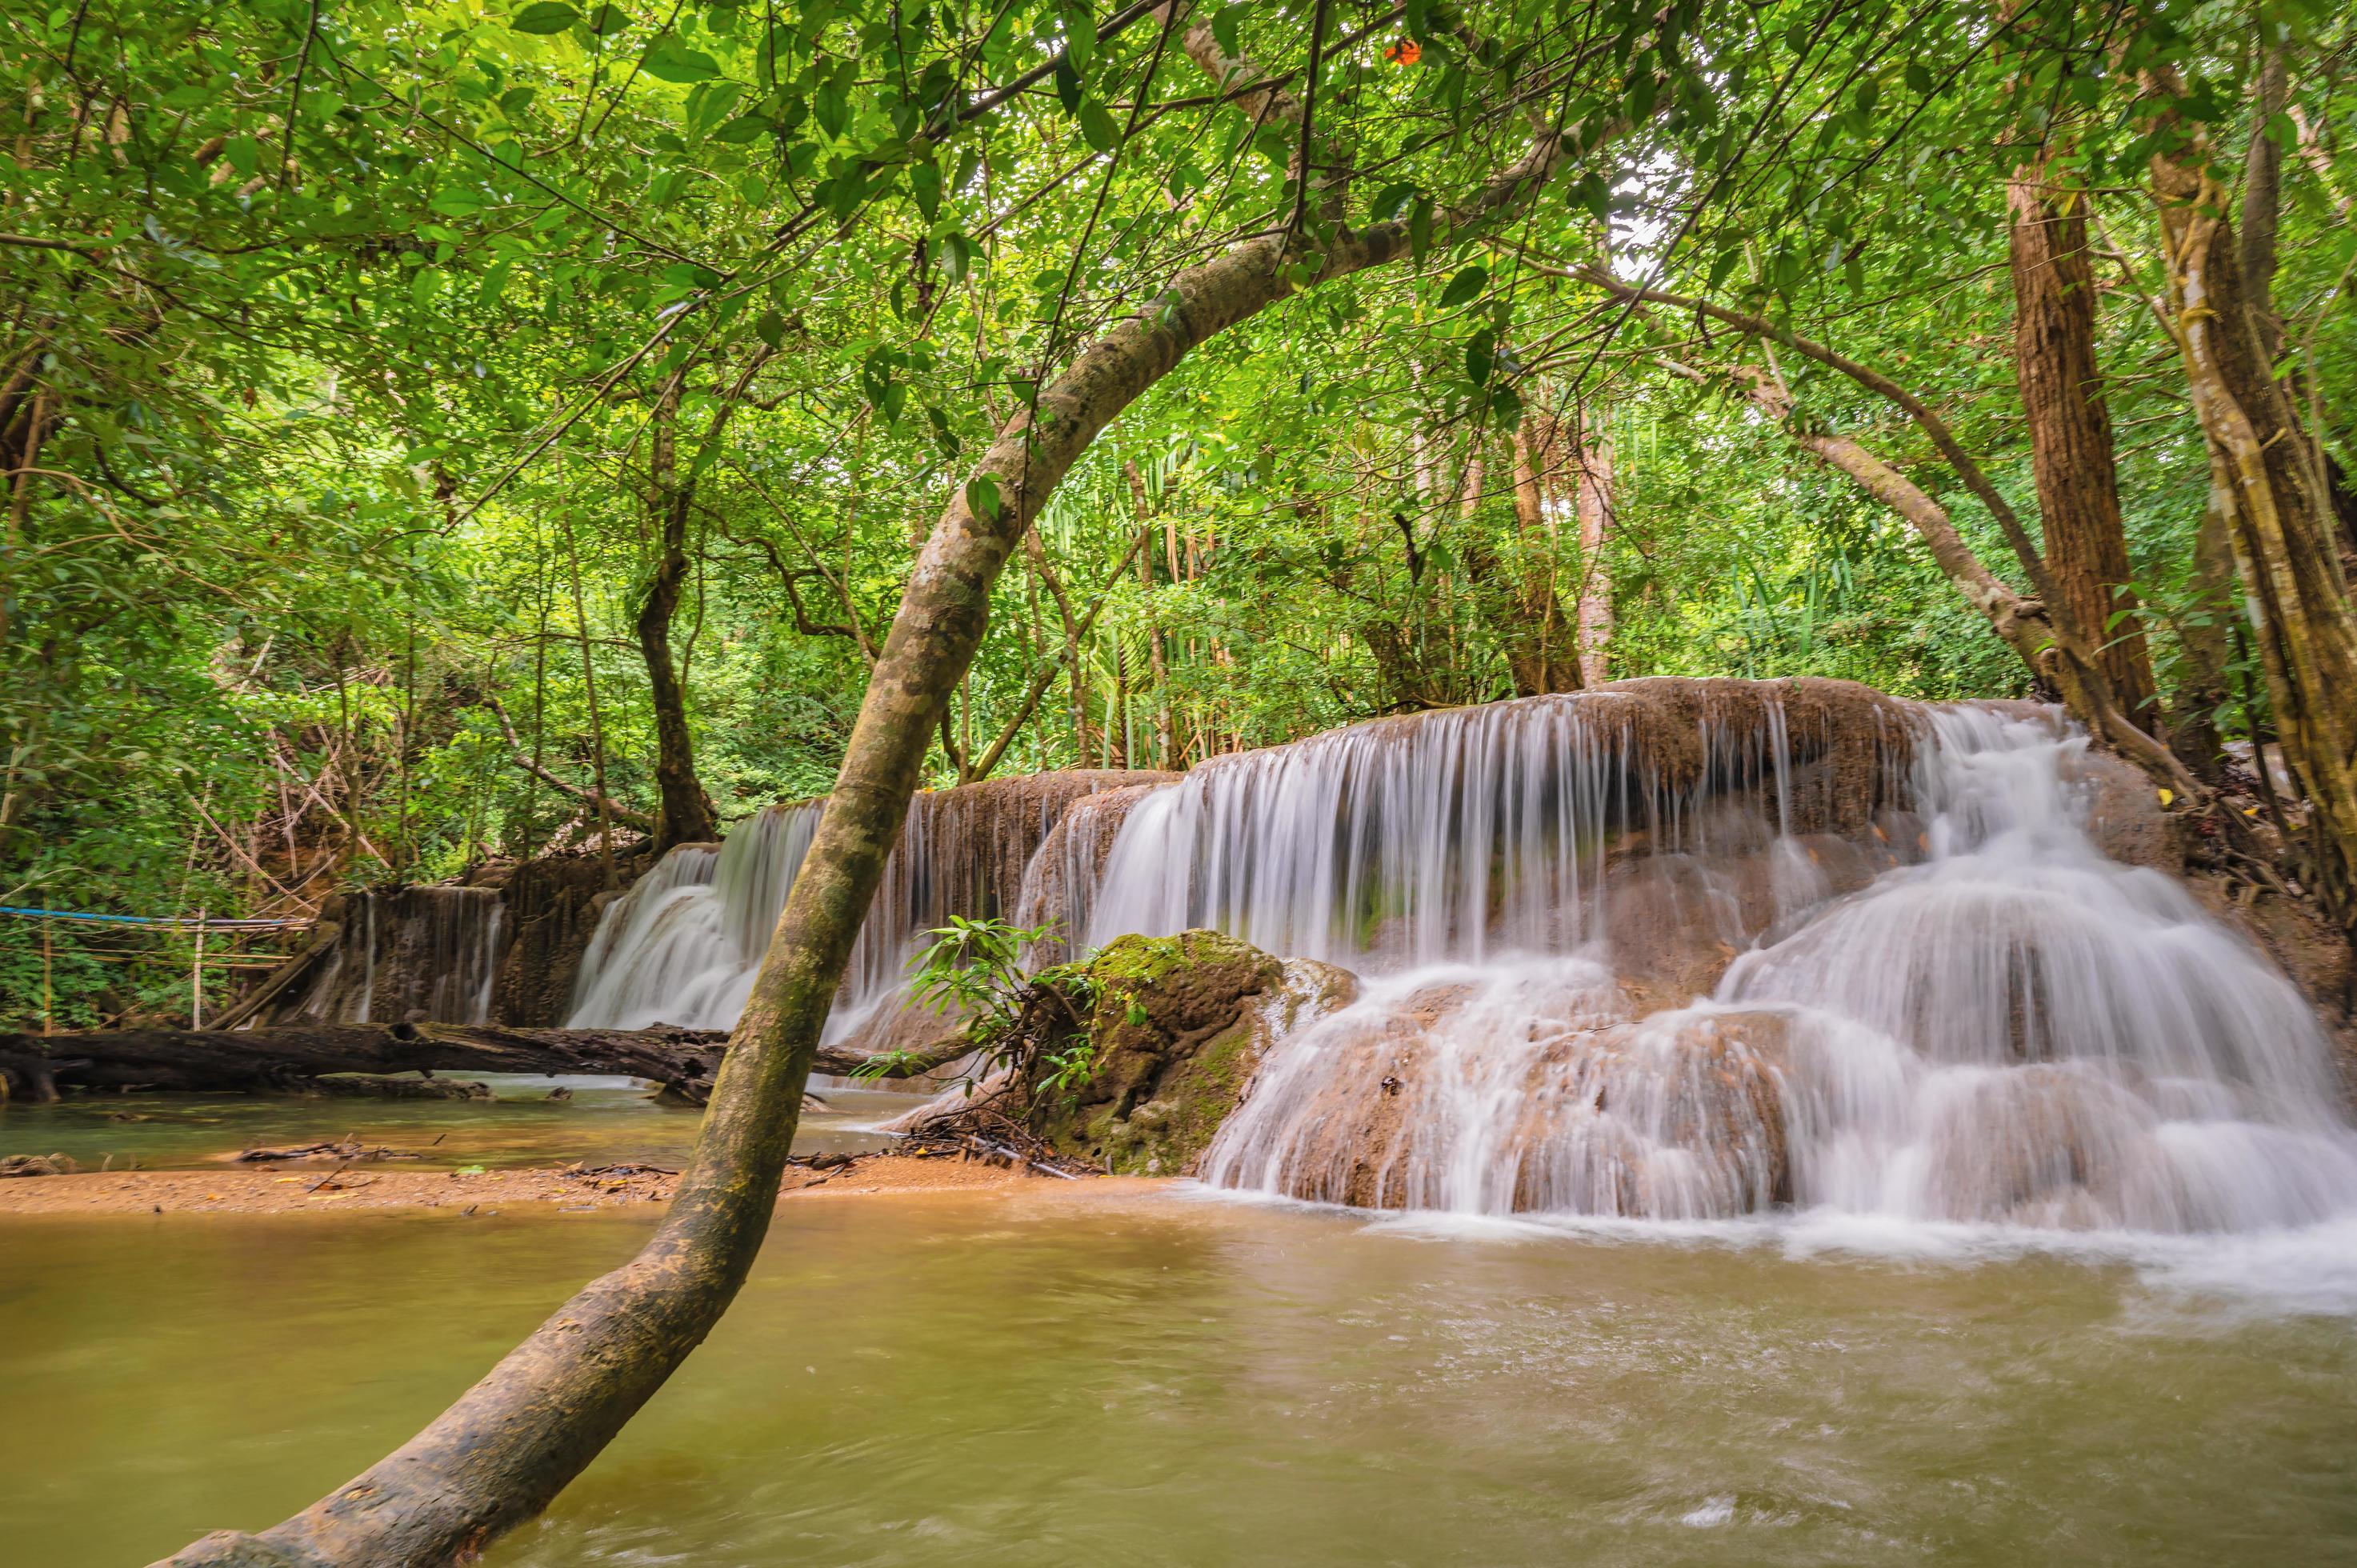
498	1455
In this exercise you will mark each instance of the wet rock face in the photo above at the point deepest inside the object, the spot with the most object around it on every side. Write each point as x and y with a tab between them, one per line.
1534	1087
405	954
1177	1026
554	905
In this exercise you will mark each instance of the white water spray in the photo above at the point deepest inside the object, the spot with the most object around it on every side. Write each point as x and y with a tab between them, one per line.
2016	1030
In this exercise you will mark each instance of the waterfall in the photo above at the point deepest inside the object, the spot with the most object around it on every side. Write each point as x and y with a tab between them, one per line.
1922	991
428	953
1474	832
684	945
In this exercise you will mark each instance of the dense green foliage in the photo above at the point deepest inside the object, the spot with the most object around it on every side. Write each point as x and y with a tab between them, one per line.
341	344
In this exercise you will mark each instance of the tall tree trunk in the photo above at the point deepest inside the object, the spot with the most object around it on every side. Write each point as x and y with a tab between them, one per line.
1156	656
2041	630
509	1445
1592	502
1083	731
684	814
2285	533
2202	688
2263	202
2071	431
1541	642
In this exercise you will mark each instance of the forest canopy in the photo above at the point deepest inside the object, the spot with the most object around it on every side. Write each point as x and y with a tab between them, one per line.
434	434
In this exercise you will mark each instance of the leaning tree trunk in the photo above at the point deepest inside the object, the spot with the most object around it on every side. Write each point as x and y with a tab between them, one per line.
2070	432
686	814
509	1445
2283	529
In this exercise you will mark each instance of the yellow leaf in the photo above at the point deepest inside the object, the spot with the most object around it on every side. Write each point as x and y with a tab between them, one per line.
2167	796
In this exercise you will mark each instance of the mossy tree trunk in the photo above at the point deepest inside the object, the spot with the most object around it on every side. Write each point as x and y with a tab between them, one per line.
2283	526
514	1441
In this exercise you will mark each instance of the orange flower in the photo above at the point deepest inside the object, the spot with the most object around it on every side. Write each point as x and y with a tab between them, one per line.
1407	52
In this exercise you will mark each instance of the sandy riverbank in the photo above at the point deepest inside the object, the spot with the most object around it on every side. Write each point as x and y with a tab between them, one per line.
249	1190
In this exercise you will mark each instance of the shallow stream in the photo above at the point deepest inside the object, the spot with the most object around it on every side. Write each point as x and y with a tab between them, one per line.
607	1120
1099	1374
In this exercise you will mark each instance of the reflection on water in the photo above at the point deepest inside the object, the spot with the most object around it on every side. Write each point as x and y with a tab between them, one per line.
1084	1375
607	1120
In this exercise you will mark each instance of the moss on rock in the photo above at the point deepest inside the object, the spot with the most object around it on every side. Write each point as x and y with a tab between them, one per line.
1175	1028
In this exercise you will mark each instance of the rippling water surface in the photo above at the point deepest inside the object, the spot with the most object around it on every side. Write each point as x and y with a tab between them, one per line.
1104	1375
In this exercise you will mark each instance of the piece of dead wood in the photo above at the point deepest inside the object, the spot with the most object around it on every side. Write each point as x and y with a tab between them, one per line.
347	1149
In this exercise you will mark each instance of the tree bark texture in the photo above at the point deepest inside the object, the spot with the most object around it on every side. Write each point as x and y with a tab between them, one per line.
1539	640
2070	432
684	814
509	1445
2283	529
1592	505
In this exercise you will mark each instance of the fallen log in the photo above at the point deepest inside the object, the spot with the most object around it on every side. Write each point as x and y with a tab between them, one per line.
683	1062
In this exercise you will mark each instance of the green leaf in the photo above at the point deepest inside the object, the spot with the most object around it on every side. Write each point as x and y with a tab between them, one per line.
608	20
743	129
1419	228
1067	86
1464	286
771	327
925	185
1097	126
1080	37
943	435
1223	28
1394	200
982	497
544	16
957	257
1481	357
671	60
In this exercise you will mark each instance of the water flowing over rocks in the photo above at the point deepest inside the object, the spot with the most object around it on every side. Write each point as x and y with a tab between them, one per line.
1696	950
1667	950
683	947
416	954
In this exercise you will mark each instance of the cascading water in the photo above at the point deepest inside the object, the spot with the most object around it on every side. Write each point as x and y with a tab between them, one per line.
1482	831
684	945
1968	1013
425	952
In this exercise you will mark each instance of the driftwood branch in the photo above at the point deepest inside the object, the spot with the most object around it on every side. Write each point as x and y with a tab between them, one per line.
222	1060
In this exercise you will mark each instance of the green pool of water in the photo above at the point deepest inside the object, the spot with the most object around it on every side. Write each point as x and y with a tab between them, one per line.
1080	1375
606	1121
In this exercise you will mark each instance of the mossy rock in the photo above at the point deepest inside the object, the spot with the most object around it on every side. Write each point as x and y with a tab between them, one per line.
1179	1025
